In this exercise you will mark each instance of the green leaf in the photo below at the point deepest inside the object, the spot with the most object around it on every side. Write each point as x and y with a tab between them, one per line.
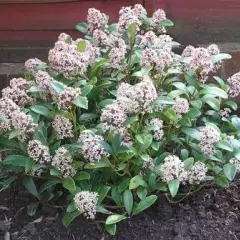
38	135
180	86
193	113
166	23
6	182
213	103
32	208
144	204
81	102
28	165
220	57
103	210
103	190
196	103
48	184
82	27
16	160
82	175
114	219
40	110
111	228
143	72
57	86
69	217
88	116
173	187
132	32
128	201
81	46
69	184
184	154
137	181
214	91
192	132
222	181
164	101
30	185
86	90
229	170
188	163
13	134
100	164
171	114
223	144
71	207
141	192
232	104
106	147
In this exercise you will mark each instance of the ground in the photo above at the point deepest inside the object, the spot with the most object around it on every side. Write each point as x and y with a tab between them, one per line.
211	214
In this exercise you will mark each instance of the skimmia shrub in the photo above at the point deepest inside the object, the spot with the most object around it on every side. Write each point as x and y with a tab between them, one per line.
116	117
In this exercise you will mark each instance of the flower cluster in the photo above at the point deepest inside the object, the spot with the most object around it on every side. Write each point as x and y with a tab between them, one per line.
225	112
96	19
157	17
200	60
234	86
65	98
173	168
63	127
63	162
17	92
181	106
32	64
198	172
38	152
157	125
92	149
65	57
209	136
147	166
86	203
236	163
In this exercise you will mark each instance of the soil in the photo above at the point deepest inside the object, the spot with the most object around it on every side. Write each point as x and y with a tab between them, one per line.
211	214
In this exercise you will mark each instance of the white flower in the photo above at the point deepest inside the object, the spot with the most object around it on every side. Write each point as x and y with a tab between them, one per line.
38	152
235	162
63	162
234	86
32	64
63	127
181	106
198	172
86	203
96	19
158	128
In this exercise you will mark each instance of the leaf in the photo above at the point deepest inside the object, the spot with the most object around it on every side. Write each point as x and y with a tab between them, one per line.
81	46
137	181
223	144
13	134
144	204
166	23
141	192
192	132
114	219
193	113
40	110
215	91
32	208
173	186
143	72
57	86
180	86
28	165
48	184
232	104
229	170
184	154
100	164
38	135
132	32
69	184
106	147
69	217
188	163
196	103
16	160
86	90
213	103
88	117
82	27
164	101
6	182
30	185
111	228
82	175
171	114
81	102
103	190
128	201
220	57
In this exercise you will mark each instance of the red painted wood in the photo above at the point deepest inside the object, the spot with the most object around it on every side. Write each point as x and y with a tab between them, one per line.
52	16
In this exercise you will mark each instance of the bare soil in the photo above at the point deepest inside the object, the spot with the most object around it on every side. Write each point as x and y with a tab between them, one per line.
211	214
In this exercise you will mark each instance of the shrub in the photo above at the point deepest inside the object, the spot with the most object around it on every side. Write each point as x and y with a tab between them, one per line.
117	117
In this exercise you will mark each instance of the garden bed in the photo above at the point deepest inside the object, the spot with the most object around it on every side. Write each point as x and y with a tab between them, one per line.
213	214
